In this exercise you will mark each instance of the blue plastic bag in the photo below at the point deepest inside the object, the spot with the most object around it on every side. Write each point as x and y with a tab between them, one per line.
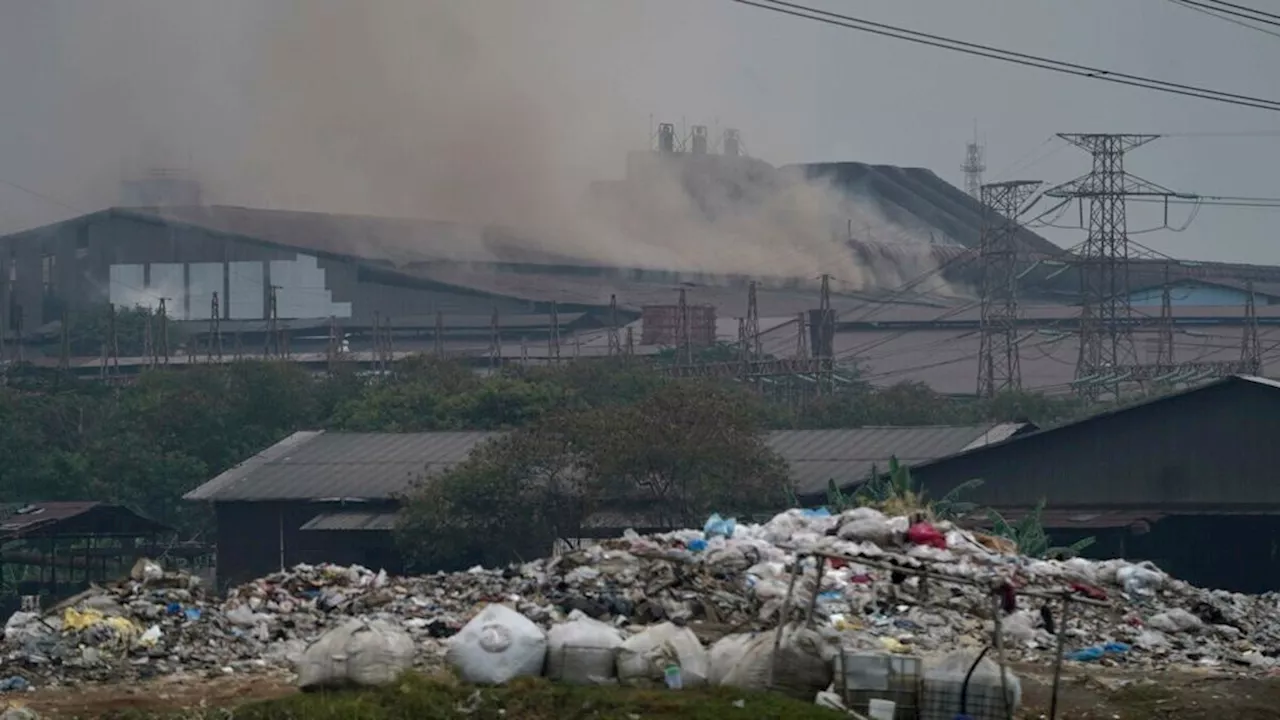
816	512
1088	654
719	527
696	545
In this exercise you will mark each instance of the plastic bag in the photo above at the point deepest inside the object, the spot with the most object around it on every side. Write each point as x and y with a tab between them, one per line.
724	654
1141	579
803	664
1175	621
943	682
582	651
718	526
644	657
497	646
358	652
926	534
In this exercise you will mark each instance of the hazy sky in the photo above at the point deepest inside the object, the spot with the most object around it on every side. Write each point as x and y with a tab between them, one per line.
379	105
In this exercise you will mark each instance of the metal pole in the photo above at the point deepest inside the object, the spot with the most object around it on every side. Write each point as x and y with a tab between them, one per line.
1057	662
782	615
999	643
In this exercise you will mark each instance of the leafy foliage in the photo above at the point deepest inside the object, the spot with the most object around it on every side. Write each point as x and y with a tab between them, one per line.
897	493
679	455
1029	535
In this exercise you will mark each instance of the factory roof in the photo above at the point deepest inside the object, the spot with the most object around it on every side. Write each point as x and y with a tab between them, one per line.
73	518
336	466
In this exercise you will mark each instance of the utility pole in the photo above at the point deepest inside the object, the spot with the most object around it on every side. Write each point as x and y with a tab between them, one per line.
825	352
1107	355
753	322
439	338
271	346
21	332
1164	341
974	166
630	348
1251	348
553	339
114	341
388	354
615	344
149	341
333	348
684	341
495	341
999	364
215	330
64	356
375	351
164	331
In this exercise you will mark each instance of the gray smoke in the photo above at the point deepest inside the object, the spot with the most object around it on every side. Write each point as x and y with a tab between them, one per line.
478	111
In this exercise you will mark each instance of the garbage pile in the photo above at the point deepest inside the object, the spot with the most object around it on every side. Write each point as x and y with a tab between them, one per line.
888	586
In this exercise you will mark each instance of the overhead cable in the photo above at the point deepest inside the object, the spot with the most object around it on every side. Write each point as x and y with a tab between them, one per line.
852	23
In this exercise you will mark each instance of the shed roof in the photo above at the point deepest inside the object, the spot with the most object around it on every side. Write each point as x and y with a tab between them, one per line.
1261	383
317	465
817	456
78	518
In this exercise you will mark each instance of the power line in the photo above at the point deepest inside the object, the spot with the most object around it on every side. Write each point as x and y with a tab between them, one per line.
1222	15
1239	10
987	51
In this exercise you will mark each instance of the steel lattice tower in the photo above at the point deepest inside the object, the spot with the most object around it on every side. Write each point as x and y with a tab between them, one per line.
999	368
1106	338
973	168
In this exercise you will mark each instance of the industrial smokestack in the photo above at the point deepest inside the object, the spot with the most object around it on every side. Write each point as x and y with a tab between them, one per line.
666	138
699	139
732	143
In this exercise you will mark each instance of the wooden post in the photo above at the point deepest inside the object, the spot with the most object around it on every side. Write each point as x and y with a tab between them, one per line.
1057	662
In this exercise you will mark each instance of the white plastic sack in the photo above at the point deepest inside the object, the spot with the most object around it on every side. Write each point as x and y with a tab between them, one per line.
865	525
358	652
1175	621
497	646
724	654
582	651
803	669
1141	579
644	657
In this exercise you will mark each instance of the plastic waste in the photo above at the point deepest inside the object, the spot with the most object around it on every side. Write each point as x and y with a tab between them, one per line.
358	652
717	526
803	664
146	570
926	534
724	654
1175	621
672	677
150	637
944	688
497	646
644	657
821	512
696	545
1140	580
583	651
14	683
19	712
1089	654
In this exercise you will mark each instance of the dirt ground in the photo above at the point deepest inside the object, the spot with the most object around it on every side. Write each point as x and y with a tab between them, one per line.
1088	693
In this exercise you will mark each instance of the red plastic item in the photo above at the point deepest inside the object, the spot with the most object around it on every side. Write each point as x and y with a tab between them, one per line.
863	579
838	563
1089	591
925	534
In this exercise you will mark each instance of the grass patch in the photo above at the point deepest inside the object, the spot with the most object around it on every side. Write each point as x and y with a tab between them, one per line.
418	698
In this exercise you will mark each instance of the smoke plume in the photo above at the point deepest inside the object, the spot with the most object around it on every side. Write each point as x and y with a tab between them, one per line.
477	111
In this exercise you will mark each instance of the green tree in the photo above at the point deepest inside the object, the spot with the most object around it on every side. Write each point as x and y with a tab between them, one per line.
509	501
685	451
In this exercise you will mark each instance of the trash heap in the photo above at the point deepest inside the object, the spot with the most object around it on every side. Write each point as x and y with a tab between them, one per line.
886	589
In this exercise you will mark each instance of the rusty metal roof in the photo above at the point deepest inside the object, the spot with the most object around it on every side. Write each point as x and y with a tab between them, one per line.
847	456
336	466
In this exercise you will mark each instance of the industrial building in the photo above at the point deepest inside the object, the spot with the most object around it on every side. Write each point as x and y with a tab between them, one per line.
309	284
1186	480
333	497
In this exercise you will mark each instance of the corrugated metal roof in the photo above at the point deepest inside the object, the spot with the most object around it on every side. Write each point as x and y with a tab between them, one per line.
847	456
24	519
352	520
333	466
